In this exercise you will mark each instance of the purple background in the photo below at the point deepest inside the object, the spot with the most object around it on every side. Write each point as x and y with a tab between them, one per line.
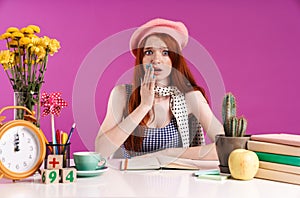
255	45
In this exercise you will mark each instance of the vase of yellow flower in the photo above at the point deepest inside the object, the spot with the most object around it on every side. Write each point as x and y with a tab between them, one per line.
25	64
31	100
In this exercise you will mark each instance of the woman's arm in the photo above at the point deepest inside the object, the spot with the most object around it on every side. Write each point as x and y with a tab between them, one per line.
197	105
205	152
114	129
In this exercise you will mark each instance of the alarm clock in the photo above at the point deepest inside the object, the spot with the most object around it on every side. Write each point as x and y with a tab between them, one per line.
22	147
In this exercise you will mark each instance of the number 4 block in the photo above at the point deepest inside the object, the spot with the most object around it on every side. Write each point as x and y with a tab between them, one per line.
68	175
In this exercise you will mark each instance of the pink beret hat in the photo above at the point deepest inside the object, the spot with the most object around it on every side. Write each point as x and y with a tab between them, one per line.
175	29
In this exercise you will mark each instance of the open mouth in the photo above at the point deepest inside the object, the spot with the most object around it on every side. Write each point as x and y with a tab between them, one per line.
157	70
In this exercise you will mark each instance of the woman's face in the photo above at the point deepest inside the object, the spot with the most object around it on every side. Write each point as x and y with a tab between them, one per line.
157	53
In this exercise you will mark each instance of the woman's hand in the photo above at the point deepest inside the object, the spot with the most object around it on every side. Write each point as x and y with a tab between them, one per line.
147	87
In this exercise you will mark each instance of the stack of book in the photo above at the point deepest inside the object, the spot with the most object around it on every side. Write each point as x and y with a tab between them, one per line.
279	156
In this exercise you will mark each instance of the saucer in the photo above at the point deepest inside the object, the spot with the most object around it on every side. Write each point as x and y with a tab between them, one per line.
91	173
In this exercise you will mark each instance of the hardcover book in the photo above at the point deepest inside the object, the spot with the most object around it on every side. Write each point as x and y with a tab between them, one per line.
278	176
281	138
268	147
277	158
280	167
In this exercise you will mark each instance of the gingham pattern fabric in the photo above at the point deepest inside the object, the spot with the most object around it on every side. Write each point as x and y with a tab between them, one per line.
161	138
157	139
179	110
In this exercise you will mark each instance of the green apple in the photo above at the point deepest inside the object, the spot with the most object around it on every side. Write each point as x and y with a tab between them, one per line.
243	164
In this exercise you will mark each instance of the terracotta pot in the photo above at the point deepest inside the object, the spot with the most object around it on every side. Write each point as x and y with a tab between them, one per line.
225	145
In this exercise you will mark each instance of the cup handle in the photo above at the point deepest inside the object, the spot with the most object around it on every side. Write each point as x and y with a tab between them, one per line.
103	163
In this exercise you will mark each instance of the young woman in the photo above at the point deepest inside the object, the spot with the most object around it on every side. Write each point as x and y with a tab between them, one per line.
163	111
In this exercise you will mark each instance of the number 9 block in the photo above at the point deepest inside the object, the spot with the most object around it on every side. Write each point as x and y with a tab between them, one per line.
50	176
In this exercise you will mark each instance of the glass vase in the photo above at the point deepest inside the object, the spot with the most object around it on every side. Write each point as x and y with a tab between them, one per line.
30	100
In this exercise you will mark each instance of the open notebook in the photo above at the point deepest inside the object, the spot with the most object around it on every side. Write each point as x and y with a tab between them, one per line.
165	162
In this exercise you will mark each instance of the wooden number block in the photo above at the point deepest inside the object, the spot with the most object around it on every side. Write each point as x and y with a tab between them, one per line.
50	176
55	161
68	175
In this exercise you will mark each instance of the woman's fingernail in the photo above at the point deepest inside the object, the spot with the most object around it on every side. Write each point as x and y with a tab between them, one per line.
153	76
148	66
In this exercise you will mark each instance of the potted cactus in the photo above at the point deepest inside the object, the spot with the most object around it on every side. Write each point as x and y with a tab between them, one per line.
235	132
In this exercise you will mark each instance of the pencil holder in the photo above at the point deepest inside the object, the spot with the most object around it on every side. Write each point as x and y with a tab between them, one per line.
58	149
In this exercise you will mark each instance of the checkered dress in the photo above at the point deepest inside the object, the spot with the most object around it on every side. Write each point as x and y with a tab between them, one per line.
167	137
157	139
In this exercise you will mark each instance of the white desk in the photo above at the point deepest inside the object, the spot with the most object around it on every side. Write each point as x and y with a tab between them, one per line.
152	183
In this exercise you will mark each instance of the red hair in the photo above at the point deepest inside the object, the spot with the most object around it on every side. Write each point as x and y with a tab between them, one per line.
181	77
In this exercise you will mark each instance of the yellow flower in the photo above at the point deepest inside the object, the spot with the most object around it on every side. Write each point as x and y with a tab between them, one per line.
17	35
40	52
35	40
12	29
12	44
7	59
24	41
35	28
34	49
44	41
27	30
31	36
6	35
54	45
4	56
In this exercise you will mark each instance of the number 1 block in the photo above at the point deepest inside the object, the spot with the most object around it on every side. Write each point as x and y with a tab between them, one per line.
68	175
50	176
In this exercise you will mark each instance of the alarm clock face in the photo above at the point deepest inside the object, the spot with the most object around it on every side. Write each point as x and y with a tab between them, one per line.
19	149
